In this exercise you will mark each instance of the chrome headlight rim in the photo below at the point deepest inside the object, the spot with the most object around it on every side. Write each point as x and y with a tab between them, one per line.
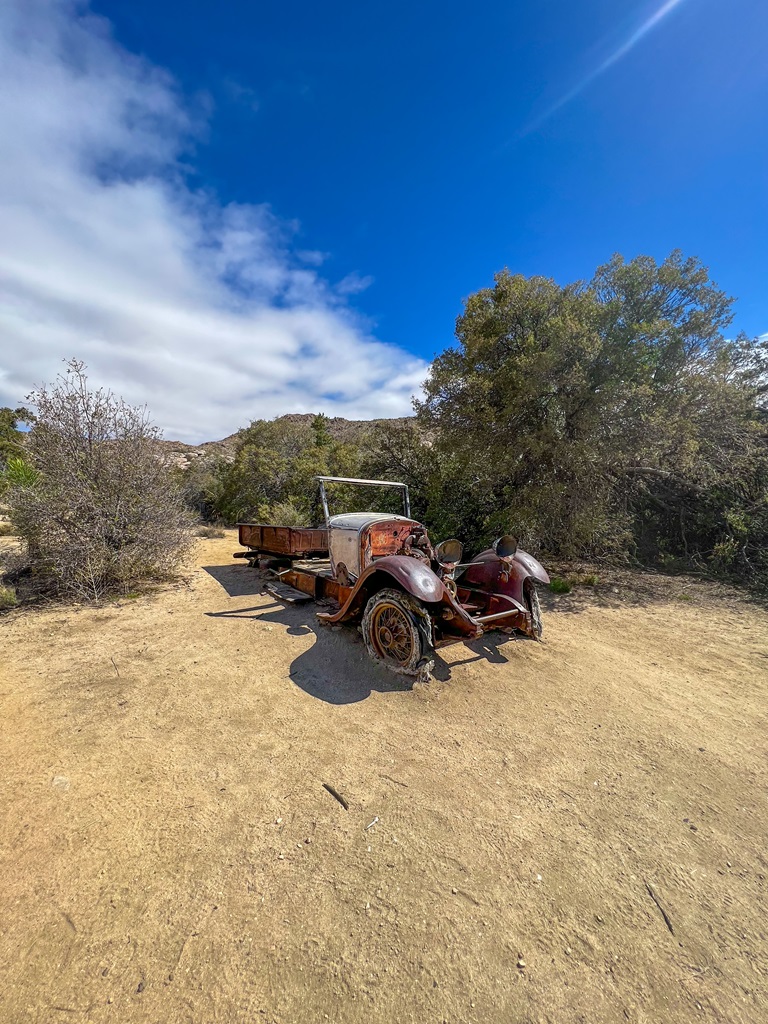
447	556
505	547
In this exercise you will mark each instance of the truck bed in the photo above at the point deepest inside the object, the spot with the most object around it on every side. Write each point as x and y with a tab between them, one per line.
285	541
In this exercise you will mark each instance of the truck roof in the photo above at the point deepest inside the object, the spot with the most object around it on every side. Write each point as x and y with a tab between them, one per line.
357	520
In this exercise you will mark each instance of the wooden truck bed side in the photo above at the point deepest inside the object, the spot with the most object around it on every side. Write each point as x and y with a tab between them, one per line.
287	541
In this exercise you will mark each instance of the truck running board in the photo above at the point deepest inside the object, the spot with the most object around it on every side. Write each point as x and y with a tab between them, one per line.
285	593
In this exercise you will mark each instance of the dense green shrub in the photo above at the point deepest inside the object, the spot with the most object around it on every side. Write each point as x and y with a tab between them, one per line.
605	419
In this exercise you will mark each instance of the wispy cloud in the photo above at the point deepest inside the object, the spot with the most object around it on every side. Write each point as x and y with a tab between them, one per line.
209	313
241	94
353	284
618	54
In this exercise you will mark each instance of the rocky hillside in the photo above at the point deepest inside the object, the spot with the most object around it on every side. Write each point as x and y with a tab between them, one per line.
338	427
185	455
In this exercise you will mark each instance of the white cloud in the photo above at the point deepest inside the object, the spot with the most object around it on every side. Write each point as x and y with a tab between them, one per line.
204	311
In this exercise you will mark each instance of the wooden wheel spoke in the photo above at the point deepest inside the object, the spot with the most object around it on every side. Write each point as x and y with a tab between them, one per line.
392	634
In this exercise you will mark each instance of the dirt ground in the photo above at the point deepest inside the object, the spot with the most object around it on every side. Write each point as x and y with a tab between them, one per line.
168	851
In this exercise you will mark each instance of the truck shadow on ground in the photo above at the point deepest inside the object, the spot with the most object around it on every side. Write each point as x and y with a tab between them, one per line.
336	668
238	580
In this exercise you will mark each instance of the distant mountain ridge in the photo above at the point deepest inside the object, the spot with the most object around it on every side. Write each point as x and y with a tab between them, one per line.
339	428
185	455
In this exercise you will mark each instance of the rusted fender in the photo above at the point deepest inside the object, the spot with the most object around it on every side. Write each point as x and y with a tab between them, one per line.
528	565
411	574
485	572
534	568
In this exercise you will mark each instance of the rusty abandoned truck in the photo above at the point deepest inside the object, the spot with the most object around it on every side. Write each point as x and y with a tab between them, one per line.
380	569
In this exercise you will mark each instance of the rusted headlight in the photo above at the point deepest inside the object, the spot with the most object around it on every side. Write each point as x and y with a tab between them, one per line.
449	552
505	547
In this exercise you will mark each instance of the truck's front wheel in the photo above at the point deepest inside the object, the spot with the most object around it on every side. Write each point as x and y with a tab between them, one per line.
396	632
534	610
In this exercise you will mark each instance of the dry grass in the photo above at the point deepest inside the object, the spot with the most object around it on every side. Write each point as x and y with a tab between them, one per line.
209	532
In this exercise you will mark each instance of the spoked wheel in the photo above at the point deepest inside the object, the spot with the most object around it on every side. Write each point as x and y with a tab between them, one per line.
396	634
534	607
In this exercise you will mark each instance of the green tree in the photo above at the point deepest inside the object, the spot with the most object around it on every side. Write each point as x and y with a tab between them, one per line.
585	417
399	450
11	438
274	470
320	428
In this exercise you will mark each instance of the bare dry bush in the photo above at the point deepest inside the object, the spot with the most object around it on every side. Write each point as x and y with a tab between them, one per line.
208	532
96	504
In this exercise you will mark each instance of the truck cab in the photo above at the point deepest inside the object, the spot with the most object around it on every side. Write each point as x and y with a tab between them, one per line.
356	539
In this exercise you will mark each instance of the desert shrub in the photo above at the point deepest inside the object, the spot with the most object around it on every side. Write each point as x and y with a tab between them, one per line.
198	484
18	472
6	530
8	598
559	586
211	532
277	462
287	513
95	501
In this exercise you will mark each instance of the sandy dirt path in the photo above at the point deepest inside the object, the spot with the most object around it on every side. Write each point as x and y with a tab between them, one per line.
168	852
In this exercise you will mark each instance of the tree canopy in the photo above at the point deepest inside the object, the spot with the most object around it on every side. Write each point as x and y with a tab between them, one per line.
605	417
11	437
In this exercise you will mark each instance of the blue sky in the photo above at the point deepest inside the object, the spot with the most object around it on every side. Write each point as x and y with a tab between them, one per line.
368	167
